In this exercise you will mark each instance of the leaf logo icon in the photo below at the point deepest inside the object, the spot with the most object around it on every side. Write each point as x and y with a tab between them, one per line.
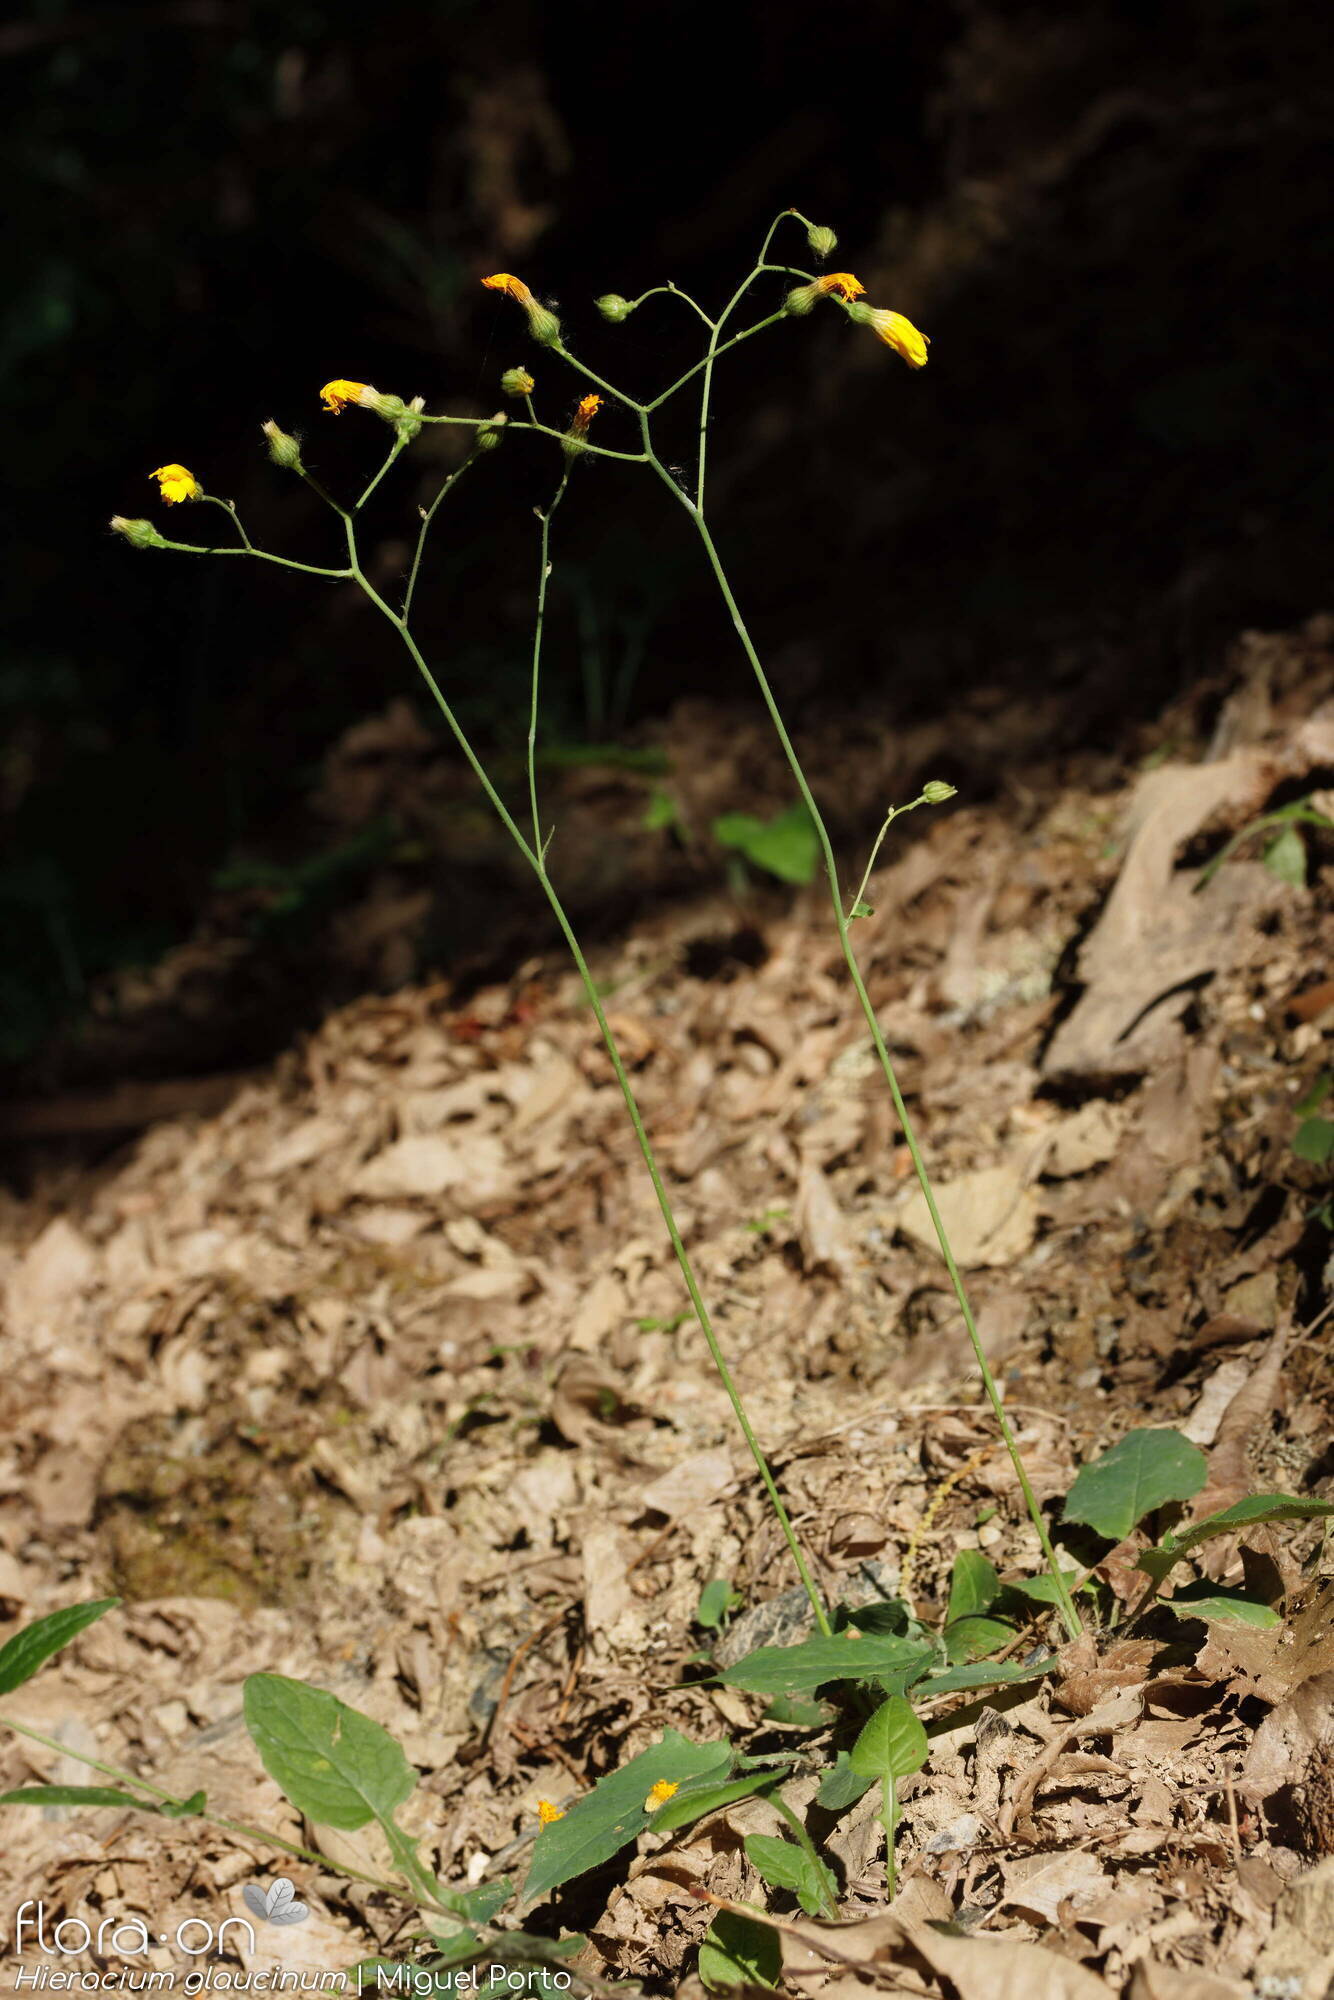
277	1904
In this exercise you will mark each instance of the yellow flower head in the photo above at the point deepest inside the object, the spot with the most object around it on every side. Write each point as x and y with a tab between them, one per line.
546	1812
542	324
660	1794
587	410
896	332
841	282
175	483
336	395
513	288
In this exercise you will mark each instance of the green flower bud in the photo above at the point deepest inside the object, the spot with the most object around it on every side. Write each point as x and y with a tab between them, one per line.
614	308
821	241
283	449
802	300
935	791
139	534
487	436
517	382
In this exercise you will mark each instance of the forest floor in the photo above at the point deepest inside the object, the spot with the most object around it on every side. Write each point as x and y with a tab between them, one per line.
381	1378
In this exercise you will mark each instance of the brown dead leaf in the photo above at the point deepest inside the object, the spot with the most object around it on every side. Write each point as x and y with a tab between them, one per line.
826	1240
1156	937
1155	1981
990	1216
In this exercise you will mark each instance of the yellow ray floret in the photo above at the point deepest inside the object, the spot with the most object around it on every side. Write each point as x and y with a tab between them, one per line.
512	287
175	483
548	1813
584	415
841	282
900	334
660	1794
336	395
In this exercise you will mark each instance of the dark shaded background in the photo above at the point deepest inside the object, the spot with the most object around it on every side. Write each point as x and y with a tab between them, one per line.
1113	221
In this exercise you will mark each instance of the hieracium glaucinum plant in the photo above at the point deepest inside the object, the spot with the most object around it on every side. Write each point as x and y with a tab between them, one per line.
609	424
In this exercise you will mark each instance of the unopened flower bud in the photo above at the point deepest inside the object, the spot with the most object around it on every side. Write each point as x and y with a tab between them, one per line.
139	534
283	448
802	300
408	421
935	791
517	382
821	241
613	307
487	436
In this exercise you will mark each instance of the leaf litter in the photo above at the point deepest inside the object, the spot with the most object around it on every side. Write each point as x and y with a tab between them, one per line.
380	1378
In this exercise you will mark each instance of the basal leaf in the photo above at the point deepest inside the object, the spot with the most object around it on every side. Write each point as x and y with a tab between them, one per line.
784	1865
1285	856
974	1585
612	1814
335	1765
1164	1557
842	1786
717	1598
1220	1607
980	1674
739	1951
1314	1141
1143	1472
693	1801
893	1743
1041	1589
974	1638
21	1656
817	1660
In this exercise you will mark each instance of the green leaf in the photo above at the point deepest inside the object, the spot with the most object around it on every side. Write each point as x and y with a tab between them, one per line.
612	1814
479	1905
980	1674
893	1744
21	1656
786	847
693	1801
184	1808
1220	1607
974	1638
799	1714
76	1795
1316	1095
1158	1561
1141	1473
661	811
336	1766
1285	856
817	1660
861	908
841	1785
1042	1589
717	1599
739	1951
1314	1141
784	1865
974	1585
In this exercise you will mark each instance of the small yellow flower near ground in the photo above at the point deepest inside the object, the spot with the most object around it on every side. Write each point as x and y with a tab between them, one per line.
660	1794
896	332
547	1813
336	395
175	483
841	282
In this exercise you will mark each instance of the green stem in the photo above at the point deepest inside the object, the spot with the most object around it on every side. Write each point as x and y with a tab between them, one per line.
889	1819
543	577
533	856
428	515
1069	1614
396	450
260	555
159	1797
